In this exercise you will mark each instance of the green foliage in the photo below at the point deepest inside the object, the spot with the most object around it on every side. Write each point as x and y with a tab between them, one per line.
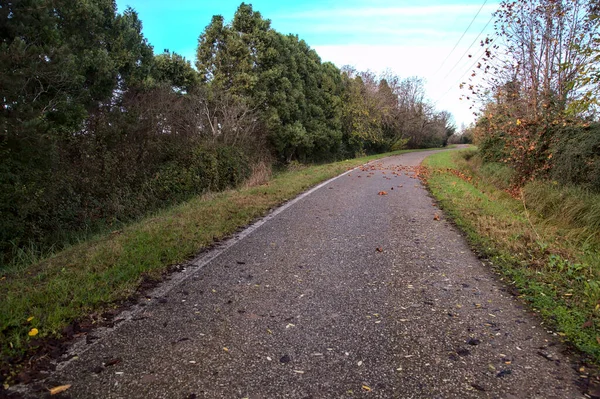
499	174
576	156
125	169
201	170
400	144
96	131
566	206
310	111
175	70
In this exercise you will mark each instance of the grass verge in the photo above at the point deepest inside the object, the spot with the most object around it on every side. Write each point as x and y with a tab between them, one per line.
545	243
40	300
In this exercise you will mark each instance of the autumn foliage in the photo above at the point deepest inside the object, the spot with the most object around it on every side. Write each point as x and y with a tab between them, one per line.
536	91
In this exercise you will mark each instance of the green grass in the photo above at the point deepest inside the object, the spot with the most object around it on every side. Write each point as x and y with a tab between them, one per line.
546	245
94	276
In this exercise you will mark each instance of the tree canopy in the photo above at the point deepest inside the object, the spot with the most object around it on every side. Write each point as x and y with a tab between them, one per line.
96	129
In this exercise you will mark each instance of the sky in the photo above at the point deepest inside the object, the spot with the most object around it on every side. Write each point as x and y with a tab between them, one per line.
410	38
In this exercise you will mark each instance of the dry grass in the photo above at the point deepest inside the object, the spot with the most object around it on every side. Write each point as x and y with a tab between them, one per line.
262	172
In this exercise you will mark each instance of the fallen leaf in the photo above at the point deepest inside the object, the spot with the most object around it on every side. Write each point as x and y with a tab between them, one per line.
225	349
379	249
382	193
30	318
59	389
598	339
436	217
112	362
33	332
366	388
588	324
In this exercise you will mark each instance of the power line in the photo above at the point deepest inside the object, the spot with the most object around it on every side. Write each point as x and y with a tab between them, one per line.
469	48
463	35
460	78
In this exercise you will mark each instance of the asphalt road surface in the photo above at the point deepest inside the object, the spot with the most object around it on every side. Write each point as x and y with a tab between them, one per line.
345	293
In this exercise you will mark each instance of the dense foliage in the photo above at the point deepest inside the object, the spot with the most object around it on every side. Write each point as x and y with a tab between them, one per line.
540	91
95	129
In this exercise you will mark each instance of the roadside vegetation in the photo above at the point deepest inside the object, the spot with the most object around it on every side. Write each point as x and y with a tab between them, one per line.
97	131
545	240
529	197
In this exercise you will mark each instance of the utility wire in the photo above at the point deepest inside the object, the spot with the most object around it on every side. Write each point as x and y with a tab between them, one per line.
460	78
469	48
463	35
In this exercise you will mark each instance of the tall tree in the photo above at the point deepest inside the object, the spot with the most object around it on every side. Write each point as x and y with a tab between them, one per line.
59	61
176	71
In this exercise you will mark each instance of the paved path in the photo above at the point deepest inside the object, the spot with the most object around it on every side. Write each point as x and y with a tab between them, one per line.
344	294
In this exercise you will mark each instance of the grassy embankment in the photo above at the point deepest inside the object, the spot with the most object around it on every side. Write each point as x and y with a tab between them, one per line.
44	297
546	243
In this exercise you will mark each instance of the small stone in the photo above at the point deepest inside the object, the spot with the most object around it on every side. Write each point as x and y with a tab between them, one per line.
463	352
504	373
285	359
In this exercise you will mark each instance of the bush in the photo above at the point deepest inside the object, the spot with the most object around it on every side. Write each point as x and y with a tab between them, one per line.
97	181
233	167
576	156
492	148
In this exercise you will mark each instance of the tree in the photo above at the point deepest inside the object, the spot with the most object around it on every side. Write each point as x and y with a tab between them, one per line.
537	71
276	75
587	104
176	71
537	56
59	61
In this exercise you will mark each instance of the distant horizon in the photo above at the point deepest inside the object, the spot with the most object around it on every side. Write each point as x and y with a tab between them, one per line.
405	39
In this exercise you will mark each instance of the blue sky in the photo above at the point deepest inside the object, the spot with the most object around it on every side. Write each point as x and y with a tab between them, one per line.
411	38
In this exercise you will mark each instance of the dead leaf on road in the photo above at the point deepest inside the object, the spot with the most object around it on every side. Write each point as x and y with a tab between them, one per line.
112	362
59	389
382	193
436	217
379	249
